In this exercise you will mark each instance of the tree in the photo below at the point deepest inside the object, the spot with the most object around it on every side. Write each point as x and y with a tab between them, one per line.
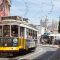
59	27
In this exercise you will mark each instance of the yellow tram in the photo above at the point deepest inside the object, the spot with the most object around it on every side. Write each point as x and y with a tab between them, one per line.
16	35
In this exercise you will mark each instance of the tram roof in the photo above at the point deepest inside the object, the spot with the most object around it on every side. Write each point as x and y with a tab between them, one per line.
18	21
29	27
11	17
14	18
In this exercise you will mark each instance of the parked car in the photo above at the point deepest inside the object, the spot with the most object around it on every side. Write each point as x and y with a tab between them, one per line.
45	38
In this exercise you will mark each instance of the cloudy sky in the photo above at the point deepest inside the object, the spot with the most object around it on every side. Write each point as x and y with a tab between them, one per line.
35	10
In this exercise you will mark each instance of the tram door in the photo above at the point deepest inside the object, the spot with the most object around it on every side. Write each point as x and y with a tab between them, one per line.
22	35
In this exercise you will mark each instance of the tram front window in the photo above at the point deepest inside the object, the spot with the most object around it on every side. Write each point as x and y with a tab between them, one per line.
0	31
14	30
6	31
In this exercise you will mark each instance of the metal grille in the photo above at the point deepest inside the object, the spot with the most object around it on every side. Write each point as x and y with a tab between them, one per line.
6	42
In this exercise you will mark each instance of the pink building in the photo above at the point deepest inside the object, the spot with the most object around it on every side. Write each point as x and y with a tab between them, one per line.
4	8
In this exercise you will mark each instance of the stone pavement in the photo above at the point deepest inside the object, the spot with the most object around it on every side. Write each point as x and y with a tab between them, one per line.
50	55
56	55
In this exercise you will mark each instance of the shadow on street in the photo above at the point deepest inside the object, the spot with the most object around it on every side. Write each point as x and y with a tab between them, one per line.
49	55
15	55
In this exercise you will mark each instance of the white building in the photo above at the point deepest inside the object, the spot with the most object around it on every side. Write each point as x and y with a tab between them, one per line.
49	27
41	31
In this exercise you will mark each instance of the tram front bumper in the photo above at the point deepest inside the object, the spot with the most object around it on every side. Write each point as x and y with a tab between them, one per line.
10	49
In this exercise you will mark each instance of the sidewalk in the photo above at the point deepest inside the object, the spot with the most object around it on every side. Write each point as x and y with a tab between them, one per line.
49	45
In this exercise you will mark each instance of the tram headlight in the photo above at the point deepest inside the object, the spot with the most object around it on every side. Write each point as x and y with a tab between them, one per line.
15	40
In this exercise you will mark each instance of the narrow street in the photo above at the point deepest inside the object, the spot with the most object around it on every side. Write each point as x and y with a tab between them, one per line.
42	52
47	51
26	24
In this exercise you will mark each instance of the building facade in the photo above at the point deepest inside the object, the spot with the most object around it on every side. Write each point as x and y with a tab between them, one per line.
4	7
40	32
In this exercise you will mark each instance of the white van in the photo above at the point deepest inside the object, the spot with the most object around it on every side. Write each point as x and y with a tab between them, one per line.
55	39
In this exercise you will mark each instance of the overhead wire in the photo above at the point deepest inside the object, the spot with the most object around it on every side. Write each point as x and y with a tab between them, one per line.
52	7
44	2
26	8
26	11
49	10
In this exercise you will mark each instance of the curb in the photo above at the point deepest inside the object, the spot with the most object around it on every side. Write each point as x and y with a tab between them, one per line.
55	46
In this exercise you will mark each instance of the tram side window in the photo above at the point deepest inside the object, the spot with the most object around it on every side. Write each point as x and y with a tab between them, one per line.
0	31
21	31
6	30
35	35
27	33
14	30
31	34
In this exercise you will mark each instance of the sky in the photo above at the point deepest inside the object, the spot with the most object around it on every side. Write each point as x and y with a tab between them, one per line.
35	10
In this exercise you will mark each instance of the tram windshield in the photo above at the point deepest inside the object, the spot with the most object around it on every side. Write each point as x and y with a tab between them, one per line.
9	30
6	31
0	31
14	30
